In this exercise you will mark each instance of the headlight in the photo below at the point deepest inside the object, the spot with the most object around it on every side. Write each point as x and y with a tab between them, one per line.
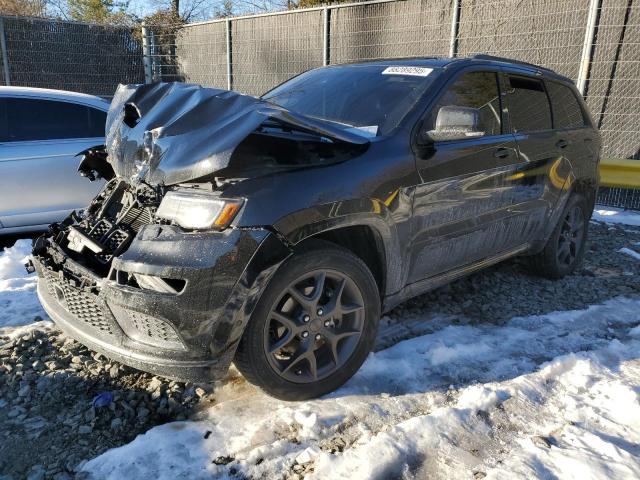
198	210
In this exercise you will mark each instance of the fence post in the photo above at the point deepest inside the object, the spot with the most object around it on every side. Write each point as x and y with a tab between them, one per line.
587	46
455	20
228	40
325	36
146	55
156	70
5	57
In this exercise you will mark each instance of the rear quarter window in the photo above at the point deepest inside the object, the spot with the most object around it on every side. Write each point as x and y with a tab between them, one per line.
567	112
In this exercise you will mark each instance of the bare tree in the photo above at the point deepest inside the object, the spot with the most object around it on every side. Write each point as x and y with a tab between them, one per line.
29	8
188	10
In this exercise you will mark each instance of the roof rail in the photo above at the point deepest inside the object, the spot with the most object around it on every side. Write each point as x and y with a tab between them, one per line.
509	60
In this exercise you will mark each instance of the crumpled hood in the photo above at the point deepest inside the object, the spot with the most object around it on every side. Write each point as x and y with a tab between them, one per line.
168	133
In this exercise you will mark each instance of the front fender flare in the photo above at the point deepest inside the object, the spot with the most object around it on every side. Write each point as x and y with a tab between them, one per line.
373	213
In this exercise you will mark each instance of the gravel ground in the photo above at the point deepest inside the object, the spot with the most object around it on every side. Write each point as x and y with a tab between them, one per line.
49	427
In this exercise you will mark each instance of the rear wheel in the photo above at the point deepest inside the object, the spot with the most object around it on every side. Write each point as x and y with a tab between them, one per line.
313	326
564	251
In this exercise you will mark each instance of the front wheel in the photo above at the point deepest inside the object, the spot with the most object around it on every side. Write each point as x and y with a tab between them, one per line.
564	250
314	325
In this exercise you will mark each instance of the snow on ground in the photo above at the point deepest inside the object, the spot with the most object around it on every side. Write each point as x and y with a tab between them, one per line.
630	252
462	400
616	215
546	396
19	304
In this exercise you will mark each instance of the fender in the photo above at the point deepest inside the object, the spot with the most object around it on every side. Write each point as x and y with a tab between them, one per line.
385	218
564	176
246	293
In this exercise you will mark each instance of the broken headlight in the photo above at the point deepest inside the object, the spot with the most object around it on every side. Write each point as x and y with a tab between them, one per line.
198	210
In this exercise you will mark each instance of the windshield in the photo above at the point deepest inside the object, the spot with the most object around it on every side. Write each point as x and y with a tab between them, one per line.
373	98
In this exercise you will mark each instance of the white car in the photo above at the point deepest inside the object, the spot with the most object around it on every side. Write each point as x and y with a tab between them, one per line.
41	132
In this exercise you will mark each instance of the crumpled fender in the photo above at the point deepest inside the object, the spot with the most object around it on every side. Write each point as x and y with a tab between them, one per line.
169	133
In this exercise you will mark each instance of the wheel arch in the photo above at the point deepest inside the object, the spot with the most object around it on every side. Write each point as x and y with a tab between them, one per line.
588	188
365	242
370	236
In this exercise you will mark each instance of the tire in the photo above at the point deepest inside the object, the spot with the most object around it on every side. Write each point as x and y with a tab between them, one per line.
564	251
303	341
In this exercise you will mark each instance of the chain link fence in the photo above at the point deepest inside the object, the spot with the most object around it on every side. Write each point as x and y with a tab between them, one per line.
544	32
594	42
613	86
73	56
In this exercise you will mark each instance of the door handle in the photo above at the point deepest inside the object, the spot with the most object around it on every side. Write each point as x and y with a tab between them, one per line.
501	153
562	144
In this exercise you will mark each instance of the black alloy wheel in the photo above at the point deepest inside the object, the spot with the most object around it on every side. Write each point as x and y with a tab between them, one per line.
571	236
565	247
313	326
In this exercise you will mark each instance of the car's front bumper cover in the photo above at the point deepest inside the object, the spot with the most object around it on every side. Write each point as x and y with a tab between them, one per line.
189	335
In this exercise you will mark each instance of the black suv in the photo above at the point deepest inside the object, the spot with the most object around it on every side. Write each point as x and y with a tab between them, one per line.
273	232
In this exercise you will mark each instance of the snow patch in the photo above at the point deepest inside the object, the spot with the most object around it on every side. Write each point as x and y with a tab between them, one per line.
485	401
18	303
631	253
616	215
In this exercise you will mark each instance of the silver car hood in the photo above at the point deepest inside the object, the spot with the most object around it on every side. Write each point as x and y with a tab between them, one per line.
169	133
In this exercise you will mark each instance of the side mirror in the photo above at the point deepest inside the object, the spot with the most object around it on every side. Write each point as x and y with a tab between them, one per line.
455	123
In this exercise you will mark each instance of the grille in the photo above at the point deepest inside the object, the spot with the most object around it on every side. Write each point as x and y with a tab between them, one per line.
81	305
110	237
153	329
136	217
146	329
100	229
116	239
113	243
121	213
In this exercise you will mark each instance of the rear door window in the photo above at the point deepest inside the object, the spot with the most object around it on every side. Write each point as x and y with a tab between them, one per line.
567	112
528	104
477	90
31	119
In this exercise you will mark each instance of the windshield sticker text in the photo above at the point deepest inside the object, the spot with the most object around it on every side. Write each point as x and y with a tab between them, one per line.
415	71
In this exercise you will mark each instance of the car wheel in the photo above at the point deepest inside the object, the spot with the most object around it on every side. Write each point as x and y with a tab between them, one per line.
314	325
564	251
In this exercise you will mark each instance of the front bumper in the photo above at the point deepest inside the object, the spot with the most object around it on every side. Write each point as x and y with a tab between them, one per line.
189	335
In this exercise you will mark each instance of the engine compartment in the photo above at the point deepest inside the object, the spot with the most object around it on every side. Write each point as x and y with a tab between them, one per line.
93	237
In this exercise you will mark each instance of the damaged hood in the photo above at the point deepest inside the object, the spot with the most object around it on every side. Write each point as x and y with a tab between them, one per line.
168	133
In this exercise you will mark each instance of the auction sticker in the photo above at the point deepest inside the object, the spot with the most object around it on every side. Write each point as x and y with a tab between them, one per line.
402	70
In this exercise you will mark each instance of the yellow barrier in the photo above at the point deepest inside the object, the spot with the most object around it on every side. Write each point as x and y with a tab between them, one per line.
620	173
